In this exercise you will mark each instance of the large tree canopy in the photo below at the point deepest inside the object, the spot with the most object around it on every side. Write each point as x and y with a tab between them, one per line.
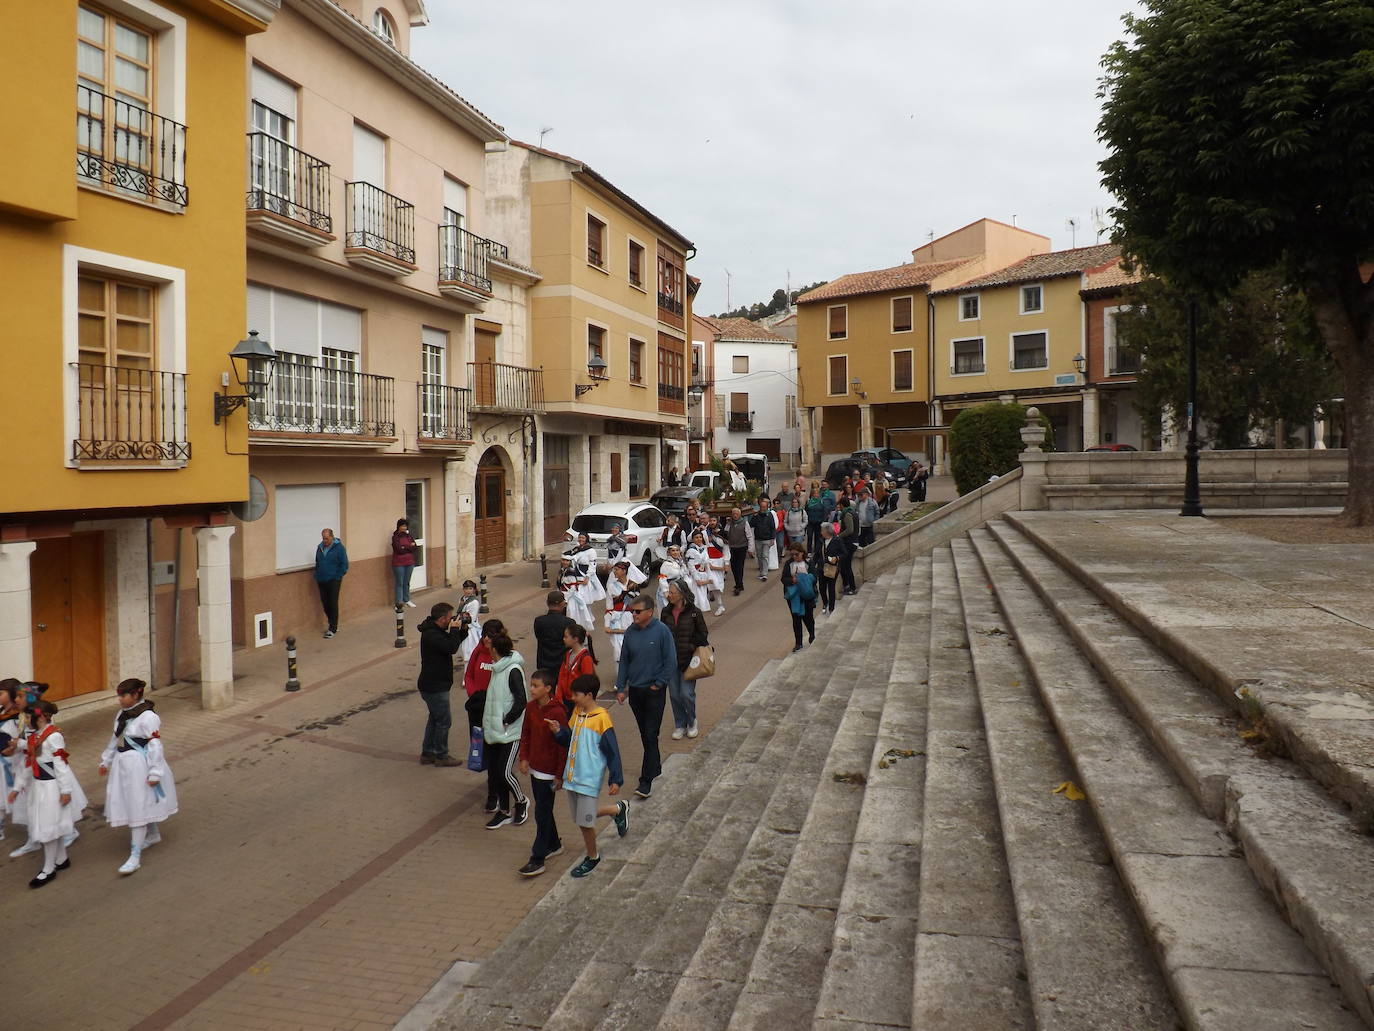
1262	359
1240	138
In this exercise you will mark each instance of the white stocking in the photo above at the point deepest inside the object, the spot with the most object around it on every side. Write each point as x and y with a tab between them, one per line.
61	851
50	856
138	835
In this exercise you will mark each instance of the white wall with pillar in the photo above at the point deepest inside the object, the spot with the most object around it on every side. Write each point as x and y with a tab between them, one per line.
215	616
941	443
16	610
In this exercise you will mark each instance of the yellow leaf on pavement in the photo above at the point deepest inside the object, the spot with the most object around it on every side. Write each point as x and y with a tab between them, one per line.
1070	791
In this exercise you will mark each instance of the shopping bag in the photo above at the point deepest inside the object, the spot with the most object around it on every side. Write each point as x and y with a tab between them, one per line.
703	664
477	752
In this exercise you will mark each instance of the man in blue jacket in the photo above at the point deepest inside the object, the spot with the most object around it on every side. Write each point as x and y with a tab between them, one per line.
648	664
331	566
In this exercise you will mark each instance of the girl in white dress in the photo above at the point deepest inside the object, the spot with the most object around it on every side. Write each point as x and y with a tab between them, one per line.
671	570
570	582
584	559
141	792
699	572
470	605
53	799
622	587
11	748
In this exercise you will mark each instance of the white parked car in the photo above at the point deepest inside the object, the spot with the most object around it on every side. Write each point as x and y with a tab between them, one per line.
642	521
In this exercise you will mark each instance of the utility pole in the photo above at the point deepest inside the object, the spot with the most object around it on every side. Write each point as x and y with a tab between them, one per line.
727	289
1192	492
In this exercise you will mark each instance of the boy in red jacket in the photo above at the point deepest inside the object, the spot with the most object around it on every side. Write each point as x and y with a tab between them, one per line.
542	759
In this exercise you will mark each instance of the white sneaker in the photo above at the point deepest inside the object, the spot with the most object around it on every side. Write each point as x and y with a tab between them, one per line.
720	610
692	731
411	604
25	849
131	864
677	733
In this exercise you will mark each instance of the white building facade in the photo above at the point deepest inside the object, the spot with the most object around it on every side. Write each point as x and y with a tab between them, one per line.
756	391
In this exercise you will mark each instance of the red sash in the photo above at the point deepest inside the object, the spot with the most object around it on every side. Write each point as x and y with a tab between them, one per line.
35	744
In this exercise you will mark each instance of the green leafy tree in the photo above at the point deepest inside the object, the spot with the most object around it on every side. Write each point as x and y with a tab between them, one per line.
985	441
1239	139
1261	357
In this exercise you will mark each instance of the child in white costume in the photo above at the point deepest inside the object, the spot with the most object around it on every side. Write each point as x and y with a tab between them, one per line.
669	571
141	792
584	560
570	582
699	572
470	606
11	748
622	587
53	799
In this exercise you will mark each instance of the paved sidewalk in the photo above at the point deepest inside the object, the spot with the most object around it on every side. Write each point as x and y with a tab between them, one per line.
317	875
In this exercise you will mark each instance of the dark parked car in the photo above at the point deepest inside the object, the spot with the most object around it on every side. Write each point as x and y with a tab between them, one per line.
889	457
1111	447
842	467
674	500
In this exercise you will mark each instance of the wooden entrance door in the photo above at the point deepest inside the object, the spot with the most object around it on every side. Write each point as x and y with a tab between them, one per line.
484	336
557	486
491	513
68	584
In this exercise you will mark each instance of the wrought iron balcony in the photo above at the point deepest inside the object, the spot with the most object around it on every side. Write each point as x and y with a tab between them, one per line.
506	388
306	398
669	303
128	149
1125	362
288	183
463	258
740	422
672	400
381	230
129	414
445	412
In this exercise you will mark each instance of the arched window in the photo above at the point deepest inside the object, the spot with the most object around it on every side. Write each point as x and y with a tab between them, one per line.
383	26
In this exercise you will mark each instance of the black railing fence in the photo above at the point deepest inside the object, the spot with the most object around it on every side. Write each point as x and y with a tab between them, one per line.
127	414
125	147
288	182
445	412
378	221
304	397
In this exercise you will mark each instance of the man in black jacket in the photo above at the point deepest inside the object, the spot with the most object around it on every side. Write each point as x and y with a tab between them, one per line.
548	631
439	643
764	523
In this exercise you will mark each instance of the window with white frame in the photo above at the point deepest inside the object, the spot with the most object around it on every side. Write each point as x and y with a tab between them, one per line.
739	364
1122	359
970	308
596	241
966	357
838	321
636	361
838	375
433	351
636	264
273	125
1030	351
1032	299
383	26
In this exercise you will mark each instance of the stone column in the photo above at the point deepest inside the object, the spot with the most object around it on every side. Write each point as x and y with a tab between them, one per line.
16	610
865	426
1033	458
216	616
937	451
808	444
451	491
1319	431
1092	419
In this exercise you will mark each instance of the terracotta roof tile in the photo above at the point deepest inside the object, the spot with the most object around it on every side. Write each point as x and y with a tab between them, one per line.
1111	277
899	277
1044	266
743	329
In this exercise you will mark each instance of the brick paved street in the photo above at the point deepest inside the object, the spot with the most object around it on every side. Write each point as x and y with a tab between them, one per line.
317	876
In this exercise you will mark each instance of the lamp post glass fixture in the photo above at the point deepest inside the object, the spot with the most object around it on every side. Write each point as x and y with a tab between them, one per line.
1078	362
596	369
253	361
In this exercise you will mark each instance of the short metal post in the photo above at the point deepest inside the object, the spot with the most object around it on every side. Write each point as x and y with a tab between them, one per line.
400	627
482	609
544	571
293	682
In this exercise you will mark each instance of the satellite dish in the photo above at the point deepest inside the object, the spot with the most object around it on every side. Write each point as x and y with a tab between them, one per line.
256	506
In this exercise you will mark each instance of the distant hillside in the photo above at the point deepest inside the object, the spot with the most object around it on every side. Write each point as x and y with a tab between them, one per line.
759	310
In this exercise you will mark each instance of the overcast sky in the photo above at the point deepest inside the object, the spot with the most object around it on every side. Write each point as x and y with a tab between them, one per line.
801	135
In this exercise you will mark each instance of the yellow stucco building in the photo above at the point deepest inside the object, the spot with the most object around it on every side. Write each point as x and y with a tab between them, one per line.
123	259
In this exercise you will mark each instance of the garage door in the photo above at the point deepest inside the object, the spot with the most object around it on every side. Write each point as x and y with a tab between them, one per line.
770	446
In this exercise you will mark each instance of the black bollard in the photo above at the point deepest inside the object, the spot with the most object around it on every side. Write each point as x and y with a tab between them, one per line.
293	682
400	627
544	571
482	593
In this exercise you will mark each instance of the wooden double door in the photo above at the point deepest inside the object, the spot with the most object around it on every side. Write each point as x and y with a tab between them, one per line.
67	578
490	511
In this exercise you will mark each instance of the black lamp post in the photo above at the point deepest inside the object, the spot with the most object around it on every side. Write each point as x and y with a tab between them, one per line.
1192	490
596	369
253	360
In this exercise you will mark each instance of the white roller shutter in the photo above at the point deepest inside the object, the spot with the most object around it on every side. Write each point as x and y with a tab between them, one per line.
302	512
342	328
369	157
260	311
456	198
276	93
296	323
433	337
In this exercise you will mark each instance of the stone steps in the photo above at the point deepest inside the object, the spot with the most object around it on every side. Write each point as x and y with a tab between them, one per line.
1305	848
1229	958
1087	958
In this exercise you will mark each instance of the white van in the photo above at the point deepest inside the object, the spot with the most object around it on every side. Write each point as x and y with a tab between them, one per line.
753	467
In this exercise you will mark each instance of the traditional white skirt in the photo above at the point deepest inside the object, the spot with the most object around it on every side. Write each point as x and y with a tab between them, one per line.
129	800
10	783
618	621
701	581
579	613
47	817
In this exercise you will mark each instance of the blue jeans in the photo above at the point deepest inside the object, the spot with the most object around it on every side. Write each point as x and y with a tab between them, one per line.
683	696
402	575
436	727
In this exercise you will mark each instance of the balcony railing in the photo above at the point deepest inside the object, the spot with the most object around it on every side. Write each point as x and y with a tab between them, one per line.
288	182
445	412
672	400
506	388
594	256
127	148
1125	363
304	397
380	222
740	422
463	257
669	303
130	415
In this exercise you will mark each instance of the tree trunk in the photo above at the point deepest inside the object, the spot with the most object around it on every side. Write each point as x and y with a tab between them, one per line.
1344	311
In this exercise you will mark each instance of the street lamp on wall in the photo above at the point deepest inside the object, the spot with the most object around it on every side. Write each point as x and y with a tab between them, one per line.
596	369
252	361
1079	363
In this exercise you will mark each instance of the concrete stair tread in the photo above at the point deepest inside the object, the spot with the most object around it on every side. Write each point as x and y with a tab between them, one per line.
1087	956
1304	847
1203	909
970	970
